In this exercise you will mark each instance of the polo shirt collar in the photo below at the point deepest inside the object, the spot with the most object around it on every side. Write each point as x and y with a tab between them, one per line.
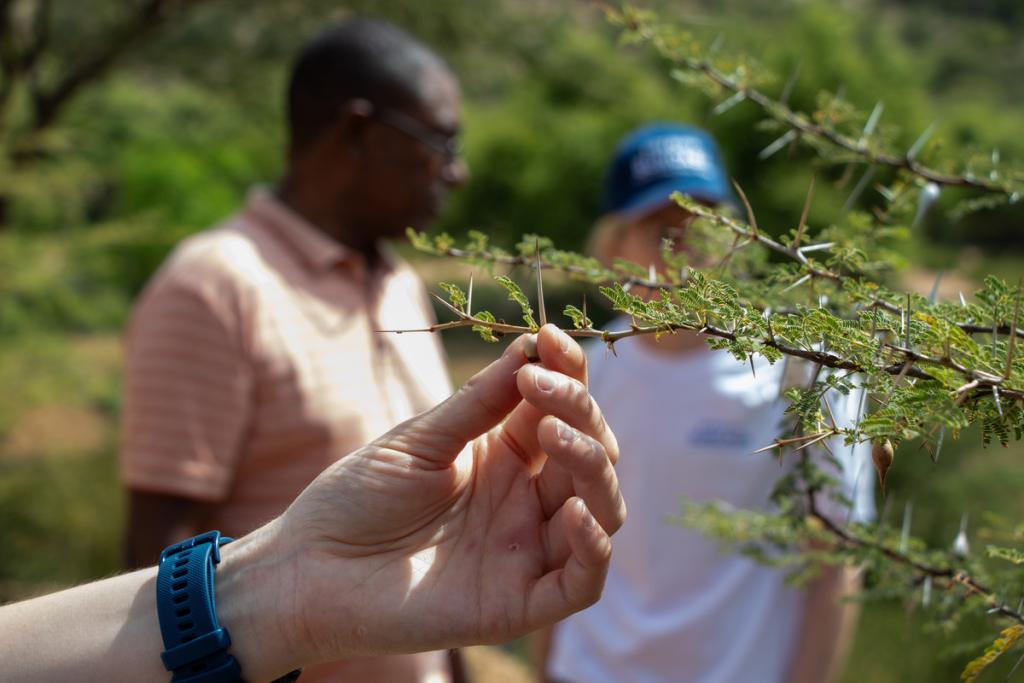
318	251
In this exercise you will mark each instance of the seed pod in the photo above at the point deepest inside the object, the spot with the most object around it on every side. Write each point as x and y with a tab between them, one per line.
882	454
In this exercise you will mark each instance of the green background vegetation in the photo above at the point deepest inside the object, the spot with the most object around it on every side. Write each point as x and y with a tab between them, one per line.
187	120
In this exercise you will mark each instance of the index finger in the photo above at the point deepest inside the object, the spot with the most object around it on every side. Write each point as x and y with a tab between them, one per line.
556	351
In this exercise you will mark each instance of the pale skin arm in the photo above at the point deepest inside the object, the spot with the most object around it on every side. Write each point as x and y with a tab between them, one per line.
108	631
438	534
827	626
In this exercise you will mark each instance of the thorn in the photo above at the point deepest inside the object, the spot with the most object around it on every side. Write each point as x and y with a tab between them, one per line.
447	305
934	294
778	144
831	415
540	286
652	273
766	448
859	188
803	215
750	211
938	444
752	370
816	247
469	297
787	90
926	591
1015	666
963	302
799	282
999	403
921	141
728	104
716	44
961	547
908	513
813	441
926	198
869	127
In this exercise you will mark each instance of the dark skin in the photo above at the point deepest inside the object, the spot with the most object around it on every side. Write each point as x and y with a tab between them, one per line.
360	182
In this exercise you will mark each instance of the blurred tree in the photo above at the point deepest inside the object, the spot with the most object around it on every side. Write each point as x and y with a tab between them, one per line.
41	76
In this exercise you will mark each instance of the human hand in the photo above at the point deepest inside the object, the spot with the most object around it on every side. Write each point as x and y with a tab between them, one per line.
478	521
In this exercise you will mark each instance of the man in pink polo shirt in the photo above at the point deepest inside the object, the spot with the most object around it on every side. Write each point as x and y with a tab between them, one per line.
252	357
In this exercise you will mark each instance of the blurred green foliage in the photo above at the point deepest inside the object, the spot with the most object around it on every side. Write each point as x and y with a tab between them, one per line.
187	120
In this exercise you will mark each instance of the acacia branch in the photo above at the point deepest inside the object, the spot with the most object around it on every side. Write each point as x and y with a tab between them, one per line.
803	126
952	575
982	382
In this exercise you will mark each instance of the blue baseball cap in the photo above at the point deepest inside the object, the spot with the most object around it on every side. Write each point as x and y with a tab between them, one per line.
656	160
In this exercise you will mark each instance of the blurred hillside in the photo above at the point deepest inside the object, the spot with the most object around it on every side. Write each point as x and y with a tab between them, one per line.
147	127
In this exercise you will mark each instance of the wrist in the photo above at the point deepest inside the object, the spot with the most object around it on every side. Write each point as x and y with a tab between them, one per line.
255	603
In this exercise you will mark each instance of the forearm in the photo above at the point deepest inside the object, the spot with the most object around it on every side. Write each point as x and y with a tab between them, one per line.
102	631
108	630
827	626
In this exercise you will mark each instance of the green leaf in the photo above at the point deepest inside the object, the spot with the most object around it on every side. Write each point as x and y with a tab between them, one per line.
1004	642
1008	554
476	241
486	333
421	241
455	295
579	320
515	293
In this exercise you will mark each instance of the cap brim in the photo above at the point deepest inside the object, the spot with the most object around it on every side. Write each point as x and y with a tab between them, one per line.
659	195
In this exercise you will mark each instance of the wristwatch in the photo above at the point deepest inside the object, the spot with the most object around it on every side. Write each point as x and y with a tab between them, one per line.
195	644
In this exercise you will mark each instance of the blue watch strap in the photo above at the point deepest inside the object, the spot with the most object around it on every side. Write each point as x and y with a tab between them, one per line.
195	645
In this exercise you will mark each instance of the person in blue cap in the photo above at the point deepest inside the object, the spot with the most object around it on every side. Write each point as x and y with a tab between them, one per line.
675	608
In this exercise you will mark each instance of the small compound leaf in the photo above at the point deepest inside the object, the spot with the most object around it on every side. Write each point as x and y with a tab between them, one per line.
1007	639
515	293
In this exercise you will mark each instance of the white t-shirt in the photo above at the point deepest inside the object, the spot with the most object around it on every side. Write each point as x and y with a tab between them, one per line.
675	608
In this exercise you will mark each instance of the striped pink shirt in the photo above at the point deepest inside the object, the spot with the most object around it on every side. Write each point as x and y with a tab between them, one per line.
252	364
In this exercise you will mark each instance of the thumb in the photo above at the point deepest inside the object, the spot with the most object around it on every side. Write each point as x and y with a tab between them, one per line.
439	434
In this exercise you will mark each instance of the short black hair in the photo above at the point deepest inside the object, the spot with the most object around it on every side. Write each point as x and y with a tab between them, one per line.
358	58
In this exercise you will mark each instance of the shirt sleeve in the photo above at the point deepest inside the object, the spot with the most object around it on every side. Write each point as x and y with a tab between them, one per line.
187	394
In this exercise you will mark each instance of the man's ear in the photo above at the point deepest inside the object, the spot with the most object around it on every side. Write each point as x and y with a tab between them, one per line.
353	117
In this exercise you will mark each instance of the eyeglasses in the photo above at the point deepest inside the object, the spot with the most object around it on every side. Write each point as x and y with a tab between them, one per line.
447	145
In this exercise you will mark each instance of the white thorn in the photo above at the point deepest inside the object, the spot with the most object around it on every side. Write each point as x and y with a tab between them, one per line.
934	294
778	144
921	141
728	104
961	547
869	127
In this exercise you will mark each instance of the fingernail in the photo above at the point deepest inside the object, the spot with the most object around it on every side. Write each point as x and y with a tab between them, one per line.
566	433
530	348
564	341
546	380
588	519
